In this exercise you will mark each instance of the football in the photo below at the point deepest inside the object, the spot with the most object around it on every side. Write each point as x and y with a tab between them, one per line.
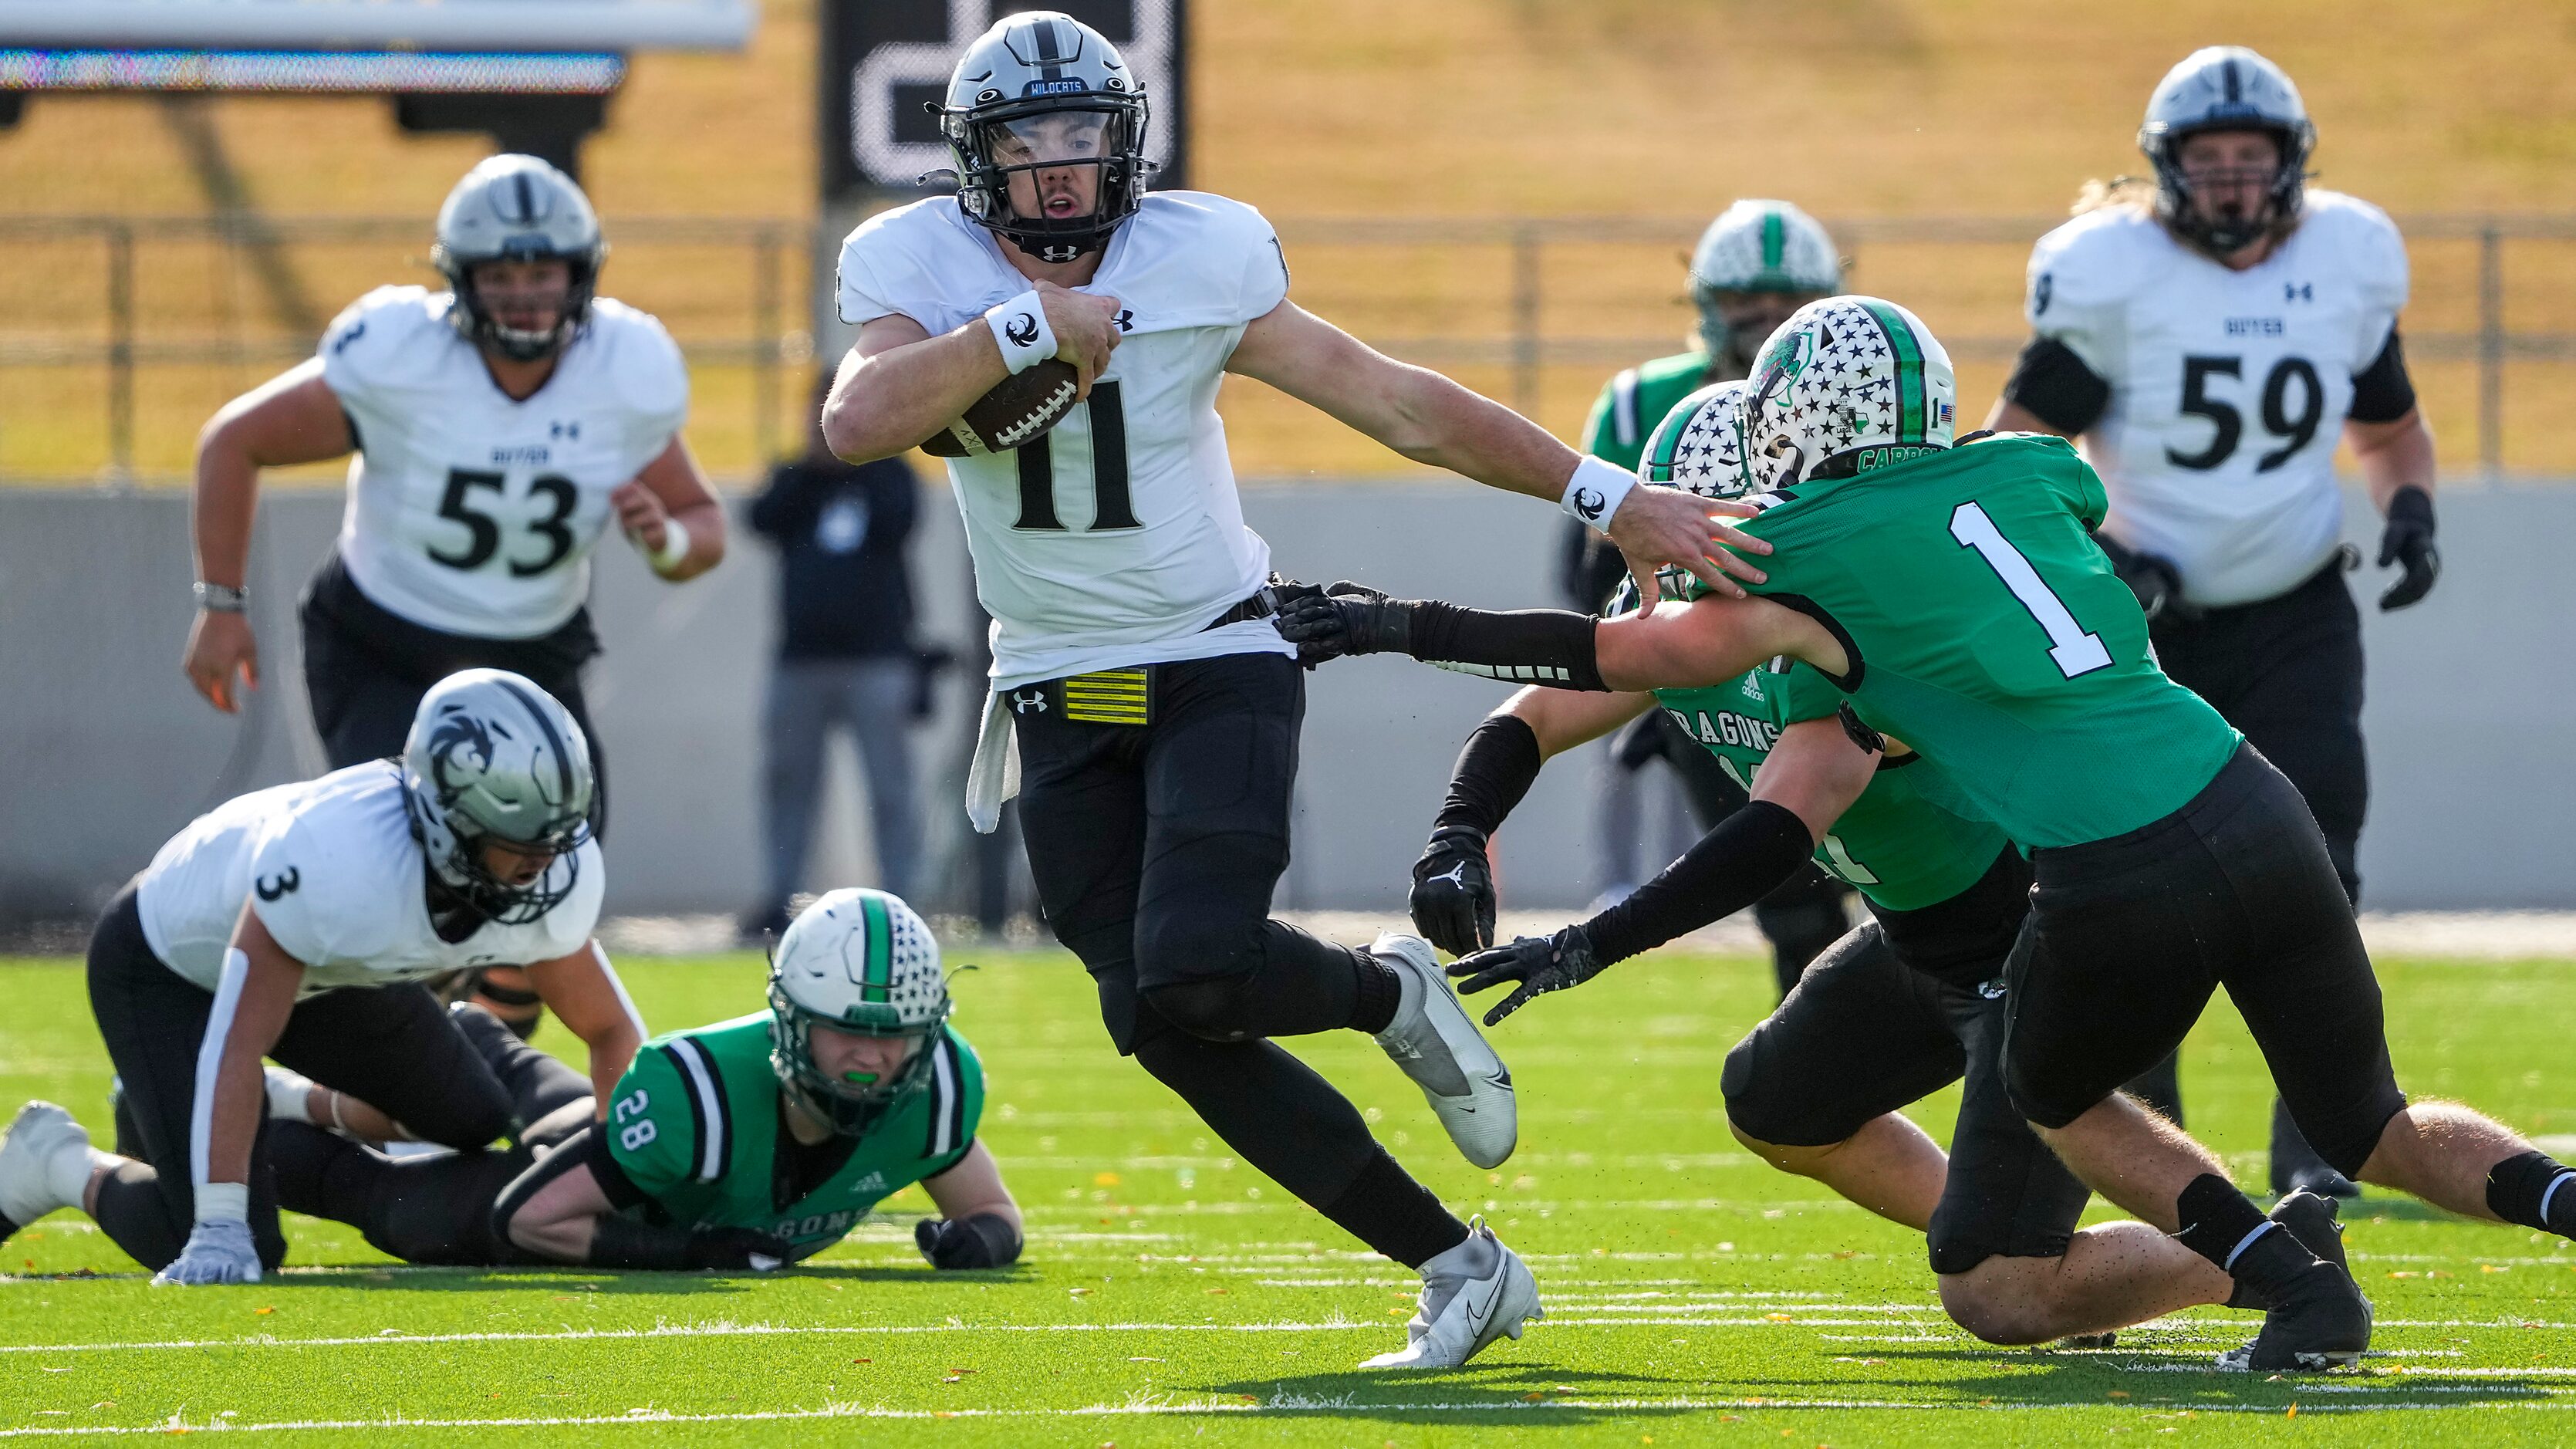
1019	409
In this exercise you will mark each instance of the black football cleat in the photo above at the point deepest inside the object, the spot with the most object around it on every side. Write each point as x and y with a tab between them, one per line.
2318	1318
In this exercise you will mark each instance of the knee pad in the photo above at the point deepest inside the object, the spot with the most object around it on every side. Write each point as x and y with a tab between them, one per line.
1757	1107
1186	947
1211	1008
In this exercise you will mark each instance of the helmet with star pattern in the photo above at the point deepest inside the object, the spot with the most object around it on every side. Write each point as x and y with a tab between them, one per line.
1847	384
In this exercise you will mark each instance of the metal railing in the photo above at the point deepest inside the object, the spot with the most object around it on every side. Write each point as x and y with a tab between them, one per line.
738	312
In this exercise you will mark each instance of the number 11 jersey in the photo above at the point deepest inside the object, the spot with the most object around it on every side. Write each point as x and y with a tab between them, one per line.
2228	389
473	513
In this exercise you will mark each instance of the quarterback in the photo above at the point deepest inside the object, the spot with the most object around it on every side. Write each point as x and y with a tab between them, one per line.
748	1144
1955	596
2210	344
1144	707
298	922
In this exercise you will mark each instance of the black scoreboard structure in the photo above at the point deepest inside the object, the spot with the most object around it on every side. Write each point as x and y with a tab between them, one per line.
885	61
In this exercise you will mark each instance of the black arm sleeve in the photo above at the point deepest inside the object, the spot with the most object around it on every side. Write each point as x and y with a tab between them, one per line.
1531	646
1494	771
1731	867
2053	385
2382	392
617	1242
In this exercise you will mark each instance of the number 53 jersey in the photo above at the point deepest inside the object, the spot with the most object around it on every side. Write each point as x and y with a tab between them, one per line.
473	513
1114	539
2228	389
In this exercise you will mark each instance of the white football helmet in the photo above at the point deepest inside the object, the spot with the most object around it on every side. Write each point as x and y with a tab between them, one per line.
1699	446
2226	88
493	757
518	209
1759	246
862	962
1039	92
1846	384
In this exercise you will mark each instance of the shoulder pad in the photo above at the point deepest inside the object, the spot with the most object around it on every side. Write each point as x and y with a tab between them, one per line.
385	336
651	377
2362	239
2091	261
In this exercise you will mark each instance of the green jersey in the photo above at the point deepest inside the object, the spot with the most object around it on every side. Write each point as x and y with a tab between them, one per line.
1625	414
1893	845
697	1126
1989	633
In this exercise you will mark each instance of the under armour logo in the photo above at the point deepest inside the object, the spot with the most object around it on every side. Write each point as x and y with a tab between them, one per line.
283	883
569	431
2298	291
1022	330
1125	319
1026	701
1589	502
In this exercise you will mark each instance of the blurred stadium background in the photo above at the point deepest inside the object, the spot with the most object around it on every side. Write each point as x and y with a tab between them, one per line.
1502	190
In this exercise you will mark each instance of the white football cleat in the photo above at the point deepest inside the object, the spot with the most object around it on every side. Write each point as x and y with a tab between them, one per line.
1475	1293
1436	1042
44	1164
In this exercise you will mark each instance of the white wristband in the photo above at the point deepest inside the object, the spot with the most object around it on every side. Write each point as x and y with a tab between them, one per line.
1596	490
675	546
1020	326
223	1202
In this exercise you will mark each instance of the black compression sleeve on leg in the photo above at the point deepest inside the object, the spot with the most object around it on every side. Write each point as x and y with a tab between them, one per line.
2535	1190
1534	646
1386	1209
1494	770
1730	868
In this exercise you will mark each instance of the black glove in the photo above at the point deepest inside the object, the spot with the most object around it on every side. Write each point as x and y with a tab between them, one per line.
2408	541
1453	891
985	1240
735	1248
1346	618
1539	965
2153	578
1286	595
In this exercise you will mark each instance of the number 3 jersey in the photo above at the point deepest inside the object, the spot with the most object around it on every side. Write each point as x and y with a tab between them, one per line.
696	1131
1987	631
331	868
2228	389
1117	537
473	513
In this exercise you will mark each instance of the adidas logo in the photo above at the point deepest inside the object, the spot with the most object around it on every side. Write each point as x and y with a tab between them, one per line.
874	1182
1752	687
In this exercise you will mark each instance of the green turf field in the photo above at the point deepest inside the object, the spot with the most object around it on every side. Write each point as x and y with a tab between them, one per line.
1169	1295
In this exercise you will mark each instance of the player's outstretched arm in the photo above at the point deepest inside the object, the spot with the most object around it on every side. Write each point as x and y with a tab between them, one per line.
672	515
252	1001
592	1003
1430	419
1453	883
1812	776
292	418
565	1209
899	384
978	1224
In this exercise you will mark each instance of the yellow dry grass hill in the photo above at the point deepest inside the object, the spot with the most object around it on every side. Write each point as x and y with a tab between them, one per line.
1345	108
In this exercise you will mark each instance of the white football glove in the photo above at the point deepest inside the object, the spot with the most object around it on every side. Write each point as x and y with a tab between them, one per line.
219	1251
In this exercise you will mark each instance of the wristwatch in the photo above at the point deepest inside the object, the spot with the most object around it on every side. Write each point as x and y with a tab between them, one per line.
221	598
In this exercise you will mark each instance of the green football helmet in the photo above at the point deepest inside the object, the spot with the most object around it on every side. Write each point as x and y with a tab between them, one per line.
1758	246
860	962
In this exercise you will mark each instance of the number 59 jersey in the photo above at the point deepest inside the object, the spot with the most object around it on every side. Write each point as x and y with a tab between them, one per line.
1117	537
473	513
2228	389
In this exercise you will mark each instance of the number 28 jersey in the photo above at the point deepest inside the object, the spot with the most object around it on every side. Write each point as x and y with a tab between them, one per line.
1114	539
473	513
2228	389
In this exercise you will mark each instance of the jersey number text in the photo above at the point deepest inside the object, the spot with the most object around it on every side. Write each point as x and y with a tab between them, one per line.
485	532
2295	432
1111	506
2075	651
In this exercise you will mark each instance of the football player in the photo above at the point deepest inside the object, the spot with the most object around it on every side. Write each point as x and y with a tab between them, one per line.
298	922
1956	597
751	1143
2210	343
1900	1007
497	427
1756	263
1143	706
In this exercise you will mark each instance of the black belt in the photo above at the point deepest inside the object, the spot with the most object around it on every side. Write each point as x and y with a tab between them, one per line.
1259	605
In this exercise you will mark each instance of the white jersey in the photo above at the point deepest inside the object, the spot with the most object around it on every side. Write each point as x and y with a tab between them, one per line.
2228	389
333	872
469	512
1116	538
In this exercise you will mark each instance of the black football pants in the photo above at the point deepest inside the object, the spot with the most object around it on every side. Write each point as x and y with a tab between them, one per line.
1155	848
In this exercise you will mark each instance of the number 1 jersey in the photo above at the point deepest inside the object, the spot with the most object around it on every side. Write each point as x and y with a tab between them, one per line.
1114	539
2228	389
473	513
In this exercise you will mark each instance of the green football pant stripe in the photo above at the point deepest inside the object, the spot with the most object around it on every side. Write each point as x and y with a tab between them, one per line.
873	986
1911	424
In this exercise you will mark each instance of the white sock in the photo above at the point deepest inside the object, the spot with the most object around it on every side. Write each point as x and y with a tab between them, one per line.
1473	1258
1408	994
67	1176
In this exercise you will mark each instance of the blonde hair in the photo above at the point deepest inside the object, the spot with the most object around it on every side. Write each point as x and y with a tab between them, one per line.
2135	192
